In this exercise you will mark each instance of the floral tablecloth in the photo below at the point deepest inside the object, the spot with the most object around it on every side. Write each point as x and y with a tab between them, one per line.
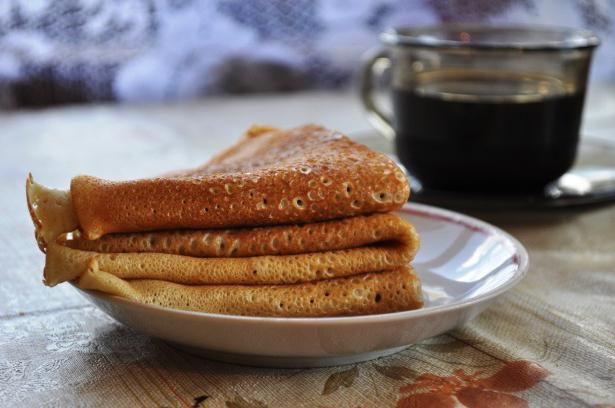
549	342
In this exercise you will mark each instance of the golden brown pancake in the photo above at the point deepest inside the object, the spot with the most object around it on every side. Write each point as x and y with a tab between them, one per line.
345	233
270	177
369	293
64	264
314	251
284	223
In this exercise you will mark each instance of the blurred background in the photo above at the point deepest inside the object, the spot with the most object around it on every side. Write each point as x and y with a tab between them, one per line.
78	51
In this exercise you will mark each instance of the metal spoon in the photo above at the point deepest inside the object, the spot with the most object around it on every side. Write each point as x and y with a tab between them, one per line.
584	181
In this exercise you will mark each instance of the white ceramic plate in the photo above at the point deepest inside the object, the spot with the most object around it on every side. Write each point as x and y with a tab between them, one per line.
464	264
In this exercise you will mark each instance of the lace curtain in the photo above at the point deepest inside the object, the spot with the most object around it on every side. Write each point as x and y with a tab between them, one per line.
57	51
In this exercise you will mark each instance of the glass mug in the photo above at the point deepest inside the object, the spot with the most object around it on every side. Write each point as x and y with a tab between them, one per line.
478	108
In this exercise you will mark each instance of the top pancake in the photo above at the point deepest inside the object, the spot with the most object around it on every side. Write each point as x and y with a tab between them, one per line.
269	177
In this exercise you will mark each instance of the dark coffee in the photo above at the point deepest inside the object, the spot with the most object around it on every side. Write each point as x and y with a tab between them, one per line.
474	131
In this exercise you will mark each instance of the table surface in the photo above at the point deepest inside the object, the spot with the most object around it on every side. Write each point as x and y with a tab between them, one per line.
58	350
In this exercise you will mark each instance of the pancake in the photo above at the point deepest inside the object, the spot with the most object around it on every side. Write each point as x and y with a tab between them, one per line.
270	177
65	264
331	235
315	251
293	223
369	293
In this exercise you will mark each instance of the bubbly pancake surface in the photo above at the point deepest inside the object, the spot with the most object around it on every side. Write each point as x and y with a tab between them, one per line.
371	293
345	233
285	223
269	177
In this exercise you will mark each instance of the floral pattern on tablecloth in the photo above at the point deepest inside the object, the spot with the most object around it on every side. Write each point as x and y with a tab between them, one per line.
473	390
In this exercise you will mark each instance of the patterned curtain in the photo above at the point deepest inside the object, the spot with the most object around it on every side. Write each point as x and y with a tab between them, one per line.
67	51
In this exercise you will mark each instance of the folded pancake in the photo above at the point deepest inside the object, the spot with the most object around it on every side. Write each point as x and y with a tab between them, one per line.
271	255
333	283
345	233
270	177
285	223
370	293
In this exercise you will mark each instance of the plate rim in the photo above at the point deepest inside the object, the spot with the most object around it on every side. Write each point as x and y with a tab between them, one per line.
522	261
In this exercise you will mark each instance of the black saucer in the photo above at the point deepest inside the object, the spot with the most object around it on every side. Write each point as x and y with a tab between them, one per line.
583	185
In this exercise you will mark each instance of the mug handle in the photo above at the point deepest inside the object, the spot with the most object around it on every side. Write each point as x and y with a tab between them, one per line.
373	66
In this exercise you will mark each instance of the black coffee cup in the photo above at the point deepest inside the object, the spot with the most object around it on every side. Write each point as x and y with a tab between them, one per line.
476	108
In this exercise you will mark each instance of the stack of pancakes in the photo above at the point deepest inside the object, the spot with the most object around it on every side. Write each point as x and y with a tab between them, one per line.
284	223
